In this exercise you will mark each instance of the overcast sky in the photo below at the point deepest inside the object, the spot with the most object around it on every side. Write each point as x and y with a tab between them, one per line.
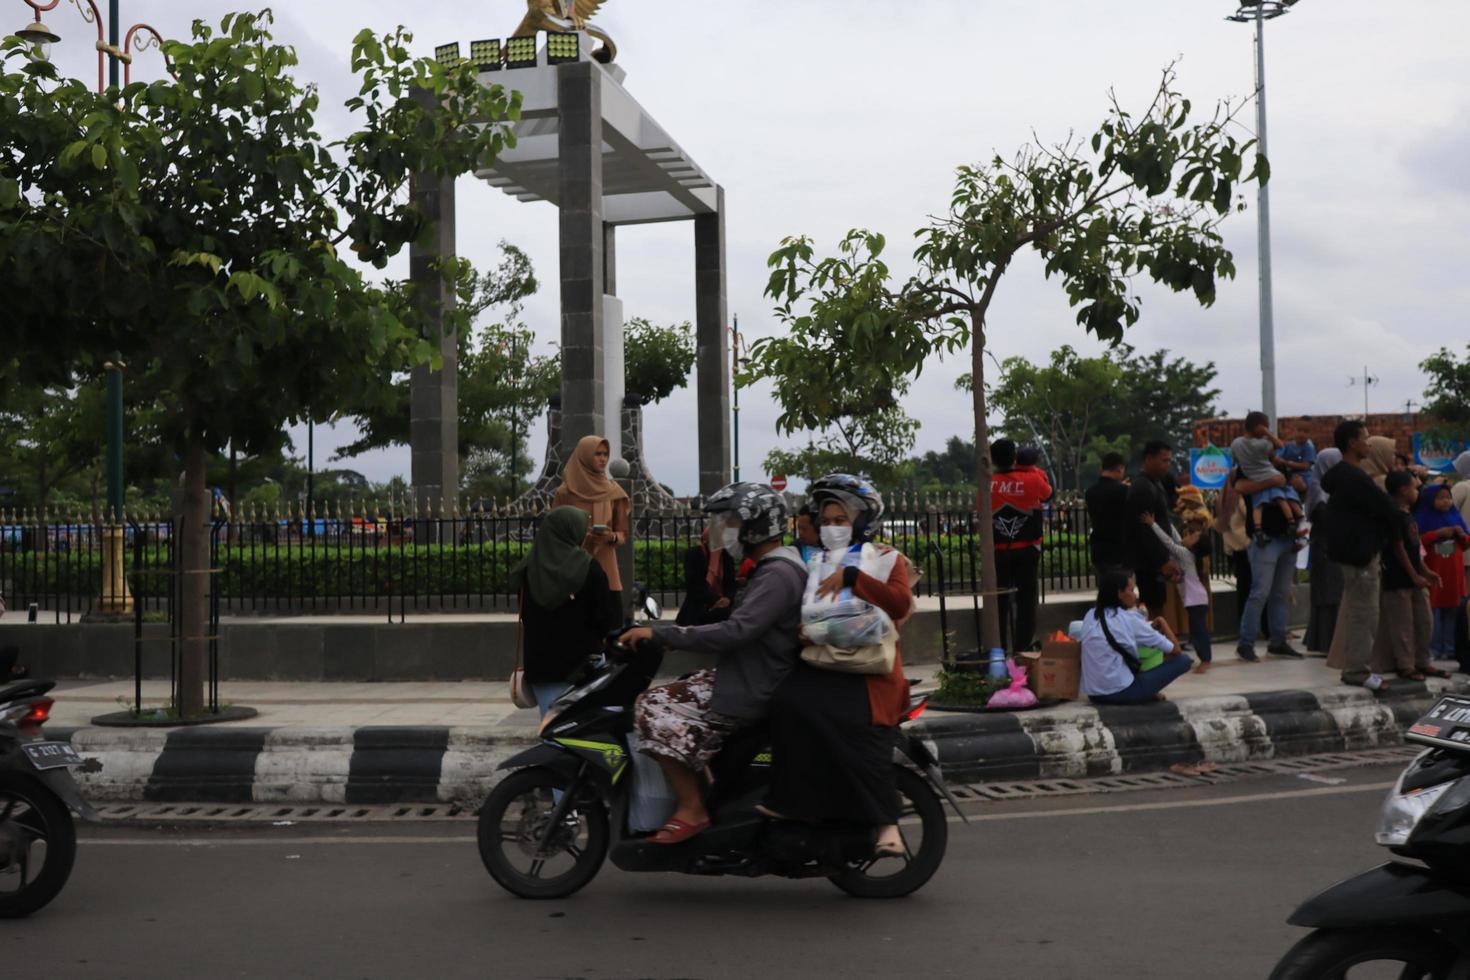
820	116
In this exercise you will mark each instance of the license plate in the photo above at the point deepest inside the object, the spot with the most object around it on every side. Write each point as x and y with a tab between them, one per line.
1447	725
51	755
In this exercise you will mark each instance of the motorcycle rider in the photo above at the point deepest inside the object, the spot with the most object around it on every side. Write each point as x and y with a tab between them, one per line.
683	725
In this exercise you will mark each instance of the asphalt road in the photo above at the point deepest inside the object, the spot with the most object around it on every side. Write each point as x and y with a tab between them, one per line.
1178	883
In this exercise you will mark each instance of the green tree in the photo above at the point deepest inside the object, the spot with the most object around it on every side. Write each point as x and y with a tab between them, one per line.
873	444
193	225
656	359
51	438
952	469
1142	198
1447	398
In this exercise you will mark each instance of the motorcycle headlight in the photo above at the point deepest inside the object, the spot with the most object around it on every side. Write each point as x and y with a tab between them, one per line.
1403	811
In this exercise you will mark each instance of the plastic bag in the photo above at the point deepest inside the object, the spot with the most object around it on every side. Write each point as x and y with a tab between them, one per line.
848	623
1018	695
652	801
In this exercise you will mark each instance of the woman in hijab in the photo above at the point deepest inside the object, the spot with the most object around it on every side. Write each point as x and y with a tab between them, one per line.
1324	575
566	605
1382	459
1445	537
709	584
585	485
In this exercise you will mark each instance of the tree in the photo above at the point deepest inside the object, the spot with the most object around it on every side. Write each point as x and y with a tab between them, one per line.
656	359
193	225
50	437
1447	398
873	444
1143	197
952	469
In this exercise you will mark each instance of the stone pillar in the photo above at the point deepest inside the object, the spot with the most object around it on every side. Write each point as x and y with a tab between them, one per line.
433	428
712	339
582	234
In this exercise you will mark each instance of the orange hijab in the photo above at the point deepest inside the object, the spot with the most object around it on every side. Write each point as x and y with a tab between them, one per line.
593	491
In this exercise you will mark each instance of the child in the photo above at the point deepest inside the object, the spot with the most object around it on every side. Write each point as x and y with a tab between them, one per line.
1190	553
1402	641
1445	536
1256	454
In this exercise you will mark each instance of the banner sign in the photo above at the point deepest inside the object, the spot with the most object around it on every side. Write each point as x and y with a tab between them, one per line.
1210	467
1437	454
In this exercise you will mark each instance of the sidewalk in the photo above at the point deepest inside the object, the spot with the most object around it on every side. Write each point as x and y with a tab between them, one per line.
436	742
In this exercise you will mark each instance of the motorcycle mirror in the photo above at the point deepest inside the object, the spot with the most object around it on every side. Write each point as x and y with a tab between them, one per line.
651	608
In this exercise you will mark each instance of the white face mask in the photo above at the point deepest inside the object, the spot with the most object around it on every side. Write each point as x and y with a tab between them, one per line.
836	537
729	542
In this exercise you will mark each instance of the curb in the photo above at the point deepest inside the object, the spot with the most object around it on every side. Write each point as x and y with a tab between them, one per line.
428	764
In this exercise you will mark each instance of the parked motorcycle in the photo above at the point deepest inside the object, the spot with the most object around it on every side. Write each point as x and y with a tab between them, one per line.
38	840
1414	915
583	793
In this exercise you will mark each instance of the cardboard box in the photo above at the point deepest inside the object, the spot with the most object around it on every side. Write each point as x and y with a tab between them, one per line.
1055	672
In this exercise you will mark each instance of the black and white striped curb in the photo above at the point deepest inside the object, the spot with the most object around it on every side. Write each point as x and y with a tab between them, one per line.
387	764
1078	740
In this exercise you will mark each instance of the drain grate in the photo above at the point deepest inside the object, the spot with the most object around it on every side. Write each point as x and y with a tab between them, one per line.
1001	791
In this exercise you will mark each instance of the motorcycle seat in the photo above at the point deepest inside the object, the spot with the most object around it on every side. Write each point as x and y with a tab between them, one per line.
30	688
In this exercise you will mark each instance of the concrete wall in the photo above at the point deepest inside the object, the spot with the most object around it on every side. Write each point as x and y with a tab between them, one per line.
422	651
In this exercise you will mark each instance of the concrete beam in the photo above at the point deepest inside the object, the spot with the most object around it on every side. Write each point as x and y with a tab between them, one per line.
712	351
581	228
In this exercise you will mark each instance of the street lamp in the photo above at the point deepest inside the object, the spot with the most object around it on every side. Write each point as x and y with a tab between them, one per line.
735	340
1258	12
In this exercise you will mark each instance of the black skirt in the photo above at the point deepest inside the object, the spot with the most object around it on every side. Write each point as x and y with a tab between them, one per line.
829	761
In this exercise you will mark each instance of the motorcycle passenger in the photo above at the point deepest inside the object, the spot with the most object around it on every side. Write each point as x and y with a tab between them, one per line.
832	734
683	725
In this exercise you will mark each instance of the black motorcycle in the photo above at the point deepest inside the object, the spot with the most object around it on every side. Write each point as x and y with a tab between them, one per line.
546	828
1416	916
38	840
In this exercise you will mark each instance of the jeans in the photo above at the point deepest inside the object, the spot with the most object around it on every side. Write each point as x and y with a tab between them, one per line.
1273	567
546	694
1443	642
1199	631
1018	568
1148	683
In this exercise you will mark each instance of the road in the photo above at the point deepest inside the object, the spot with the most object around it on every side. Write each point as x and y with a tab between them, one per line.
1176	883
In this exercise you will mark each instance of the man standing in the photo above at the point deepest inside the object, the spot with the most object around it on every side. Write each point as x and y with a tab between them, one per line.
1272	557
1107	514
1361	522
1147	558
1016	496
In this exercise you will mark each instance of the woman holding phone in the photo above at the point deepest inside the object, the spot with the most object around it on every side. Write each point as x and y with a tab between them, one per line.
586	486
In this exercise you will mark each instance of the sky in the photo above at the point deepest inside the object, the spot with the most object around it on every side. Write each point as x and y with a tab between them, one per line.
818	117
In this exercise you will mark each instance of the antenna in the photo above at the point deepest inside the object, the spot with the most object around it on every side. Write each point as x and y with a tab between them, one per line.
1367	380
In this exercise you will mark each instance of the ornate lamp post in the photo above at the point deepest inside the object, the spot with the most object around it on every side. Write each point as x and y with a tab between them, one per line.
116	599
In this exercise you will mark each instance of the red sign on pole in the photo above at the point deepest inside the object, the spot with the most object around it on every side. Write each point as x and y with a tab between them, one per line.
778	483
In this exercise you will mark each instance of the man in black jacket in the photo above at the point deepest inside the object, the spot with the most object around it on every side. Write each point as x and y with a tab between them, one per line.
1107	514
1361	522
1149	560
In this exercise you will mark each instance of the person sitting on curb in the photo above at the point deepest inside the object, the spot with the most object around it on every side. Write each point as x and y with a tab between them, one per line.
1112	633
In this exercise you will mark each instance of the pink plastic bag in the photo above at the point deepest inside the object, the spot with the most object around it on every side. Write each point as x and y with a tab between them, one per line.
1018	695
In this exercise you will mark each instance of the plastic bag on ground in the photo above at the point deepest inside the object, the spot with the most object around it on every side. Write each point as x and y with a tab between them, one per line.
1018	695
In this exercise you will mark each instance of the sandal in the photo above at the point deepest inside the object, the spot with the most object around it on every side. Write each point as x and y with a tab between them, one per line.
1412	675
676	831
1437	672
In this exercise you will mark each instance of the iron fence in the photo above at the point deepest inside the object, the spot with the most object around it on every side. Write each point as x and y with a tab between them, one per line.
396	560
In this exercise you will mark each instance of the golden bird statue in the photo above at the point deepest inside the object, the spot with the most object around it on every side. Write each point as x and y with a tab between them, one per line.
567	15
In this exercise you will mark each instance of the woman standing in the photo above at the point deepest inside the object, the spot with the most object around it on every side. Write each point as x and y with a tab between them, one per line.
1324	575
832	733
566	605
709	584
585	485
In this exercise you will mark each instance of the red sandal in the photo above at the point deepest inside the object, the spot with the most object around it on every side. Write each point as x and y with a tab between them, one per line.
676	831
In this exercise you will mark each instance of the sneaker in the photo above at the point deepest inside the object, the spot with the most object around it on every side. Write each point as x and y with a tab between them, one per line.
1248	654
1286	650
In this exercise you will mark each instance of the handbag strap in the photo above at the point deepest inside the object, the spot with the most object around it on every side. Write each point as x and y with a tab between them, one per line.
1131	661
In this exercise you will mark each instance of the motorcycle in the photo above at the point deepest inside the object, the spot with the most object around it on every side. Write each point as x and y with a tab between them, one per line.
1416	915
546	829
38	840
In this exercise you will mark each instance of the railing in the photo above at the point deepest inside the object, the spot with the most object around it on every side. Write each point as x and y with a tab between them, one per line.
396	560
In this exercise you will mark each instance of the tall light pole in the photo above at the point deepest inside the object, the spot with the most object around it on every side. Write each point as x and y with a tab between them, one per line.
1258	12
735	391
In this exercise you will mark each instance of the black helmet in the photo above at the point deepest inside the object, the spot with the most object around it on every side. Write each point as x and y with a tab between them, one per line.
761	511
854	493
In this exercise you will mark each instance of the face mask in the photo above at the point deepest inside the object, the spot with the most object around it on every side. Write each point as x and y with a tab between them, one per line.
730	543
836	538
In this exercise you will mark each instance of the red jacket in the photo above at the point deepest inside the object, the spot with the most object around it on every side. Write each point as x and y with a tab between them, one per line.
1016	496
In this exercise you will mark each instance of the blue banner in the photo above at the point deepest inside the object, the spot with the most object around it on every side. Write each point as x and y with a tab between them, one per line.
1210	467
1437	454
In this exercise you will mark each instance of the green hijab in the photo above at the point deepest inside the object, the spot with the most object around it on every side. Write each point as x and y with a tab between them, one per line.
556	566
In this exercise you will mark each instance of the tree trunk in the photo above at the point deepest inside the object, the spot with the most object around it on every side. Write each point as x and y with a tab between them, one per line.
990	611
192	530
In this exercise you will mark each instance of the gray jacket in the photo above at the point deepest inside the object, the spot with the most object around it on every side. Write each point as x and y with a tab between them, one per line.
757	645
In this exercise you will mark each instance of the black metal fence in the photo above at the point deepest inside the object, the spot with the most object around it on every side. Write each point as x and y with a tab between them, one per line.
394	561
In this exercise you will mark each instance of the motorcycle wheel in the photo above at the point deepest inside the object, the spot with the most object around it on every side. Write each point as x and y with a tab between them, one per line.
925	833
1329	954
513	820
30	814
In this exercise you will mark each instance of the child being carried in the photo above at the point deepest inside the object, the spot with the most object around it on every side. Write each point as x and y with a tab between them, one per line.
1256	454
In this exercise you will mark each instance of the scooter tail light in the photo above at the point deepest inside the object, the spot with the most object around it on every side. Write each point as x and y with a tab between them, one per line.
917	710
39	714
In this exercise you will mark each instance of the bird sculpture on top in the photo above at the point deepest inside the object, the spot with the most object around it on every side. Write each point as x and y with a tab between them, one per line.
567	15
